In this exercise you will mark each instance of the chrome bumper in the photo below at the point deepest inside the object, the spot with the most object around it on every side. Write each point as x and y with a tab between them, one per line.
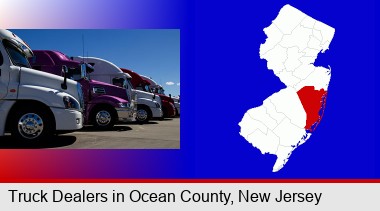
126	114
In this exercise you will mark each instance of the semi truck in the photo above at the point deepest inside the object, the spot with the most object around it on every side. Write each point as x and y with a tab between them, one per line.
104	104
141	88
148	104
169	106
177	104
34	105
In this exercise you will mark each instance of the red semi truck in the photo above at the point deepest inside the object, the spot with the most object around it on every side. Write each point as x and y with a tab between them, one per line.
140	82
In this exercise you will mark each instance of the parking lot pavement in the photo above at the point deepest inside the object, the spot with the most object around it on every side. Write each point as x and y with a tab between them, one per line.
157	134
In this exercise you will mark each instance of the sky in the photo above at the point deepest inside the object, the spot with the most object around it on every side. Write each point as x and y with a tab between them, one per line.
154	53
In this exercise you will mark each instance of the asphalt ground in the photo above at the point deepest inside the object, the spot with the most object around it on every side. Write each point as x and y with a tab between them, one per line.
157	134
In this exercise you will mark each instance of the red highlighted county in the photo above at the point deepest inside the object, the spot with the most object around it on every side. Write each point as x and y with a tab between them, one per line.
313	101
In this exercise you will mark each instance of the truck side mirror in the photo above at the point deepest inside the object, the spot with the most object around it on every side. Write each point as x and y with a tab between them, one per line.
83	71
65	71
88	68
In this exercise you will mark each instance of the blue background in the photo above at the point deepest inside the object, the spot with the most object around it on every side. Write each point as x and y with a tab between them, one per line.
229	78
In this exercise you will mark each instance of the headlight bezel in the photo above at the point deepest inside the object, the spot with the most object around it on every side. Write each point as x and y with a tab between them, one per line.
124	105
71	103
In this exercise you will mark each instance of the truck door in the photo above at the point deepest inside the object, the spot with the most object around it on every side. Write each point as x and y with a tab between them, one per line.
3	78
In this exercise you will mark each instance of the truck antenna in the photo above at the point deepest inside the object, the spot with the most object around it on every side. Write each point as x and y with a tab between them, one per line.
83	47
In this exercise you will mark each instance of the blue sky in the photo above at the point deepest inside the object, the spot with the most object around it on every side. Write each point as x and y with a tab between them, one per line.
154	53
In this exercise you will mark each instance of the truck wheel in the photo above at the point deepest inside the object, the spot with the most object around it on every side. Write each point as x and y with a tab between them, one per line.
104	118
143	115
31	125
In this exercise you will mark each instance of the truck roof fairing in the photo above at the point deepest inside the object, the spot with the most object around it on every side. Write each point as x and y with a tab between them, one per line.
104	65
12	37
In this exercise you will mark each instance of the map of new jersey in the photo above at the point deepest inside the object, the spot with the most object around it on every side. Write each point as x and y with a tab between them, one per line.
287	119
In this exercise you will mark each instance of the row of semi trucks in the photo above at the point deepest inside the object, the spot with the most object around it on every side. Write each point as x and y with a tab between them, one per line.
45	92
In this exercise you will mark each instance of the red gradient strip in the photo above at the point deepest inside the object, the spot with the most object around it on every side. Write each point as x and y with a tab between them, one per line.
190	181
45	165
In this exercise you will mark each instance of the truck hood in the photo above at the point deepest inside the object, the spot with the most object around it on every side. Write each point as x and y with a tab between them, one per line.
100	83
109	89
164	97
142	94
38	78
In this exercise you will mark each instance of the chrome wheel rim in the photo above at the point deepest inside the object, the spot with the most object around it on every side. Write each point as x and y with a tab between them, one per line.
142	115
103	118
30	126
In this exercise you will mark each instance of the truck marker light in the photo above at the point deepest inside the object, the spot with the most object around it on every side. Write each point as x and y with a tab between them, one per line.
13	90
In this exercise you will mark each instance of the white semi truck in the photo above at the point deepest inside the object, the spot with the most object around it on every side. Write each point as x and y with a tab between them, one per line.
148	104
34	105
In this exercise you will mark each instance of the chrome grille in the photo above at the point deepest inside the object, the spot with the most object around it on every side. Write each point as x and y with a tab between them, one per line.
99	90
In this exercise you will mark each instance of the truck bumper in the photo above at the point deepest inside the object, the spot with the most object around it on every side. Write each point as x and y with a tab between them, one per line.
170	109
178	110
156	112
66	119
126	114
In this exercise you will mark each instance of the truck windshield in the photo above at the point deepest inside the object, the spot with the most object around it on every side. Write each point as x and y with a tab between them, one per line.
17	55
119	82
159	90
147	88
128	83
75	73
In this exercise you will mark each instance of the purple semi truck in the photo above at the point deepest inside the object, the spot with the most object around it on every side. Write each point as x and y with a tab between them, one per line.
104	104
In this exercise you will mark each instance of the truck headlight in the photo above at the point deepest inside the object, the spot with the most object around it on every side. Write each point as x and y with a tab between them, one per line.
70	103
124	105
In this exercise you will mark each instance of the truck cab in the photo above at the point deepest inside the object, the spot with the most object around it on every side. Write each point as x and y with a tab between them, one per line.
104	104
148	105
168	104
34	105
145	98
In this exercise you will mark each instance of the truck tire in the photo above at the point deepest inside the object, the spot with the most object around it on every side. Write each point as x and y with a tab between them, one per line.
32	125
104	118
143	114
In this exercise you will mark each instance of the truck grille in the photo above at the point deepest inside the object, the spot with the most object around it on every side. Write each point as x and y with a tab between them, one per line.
99	90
